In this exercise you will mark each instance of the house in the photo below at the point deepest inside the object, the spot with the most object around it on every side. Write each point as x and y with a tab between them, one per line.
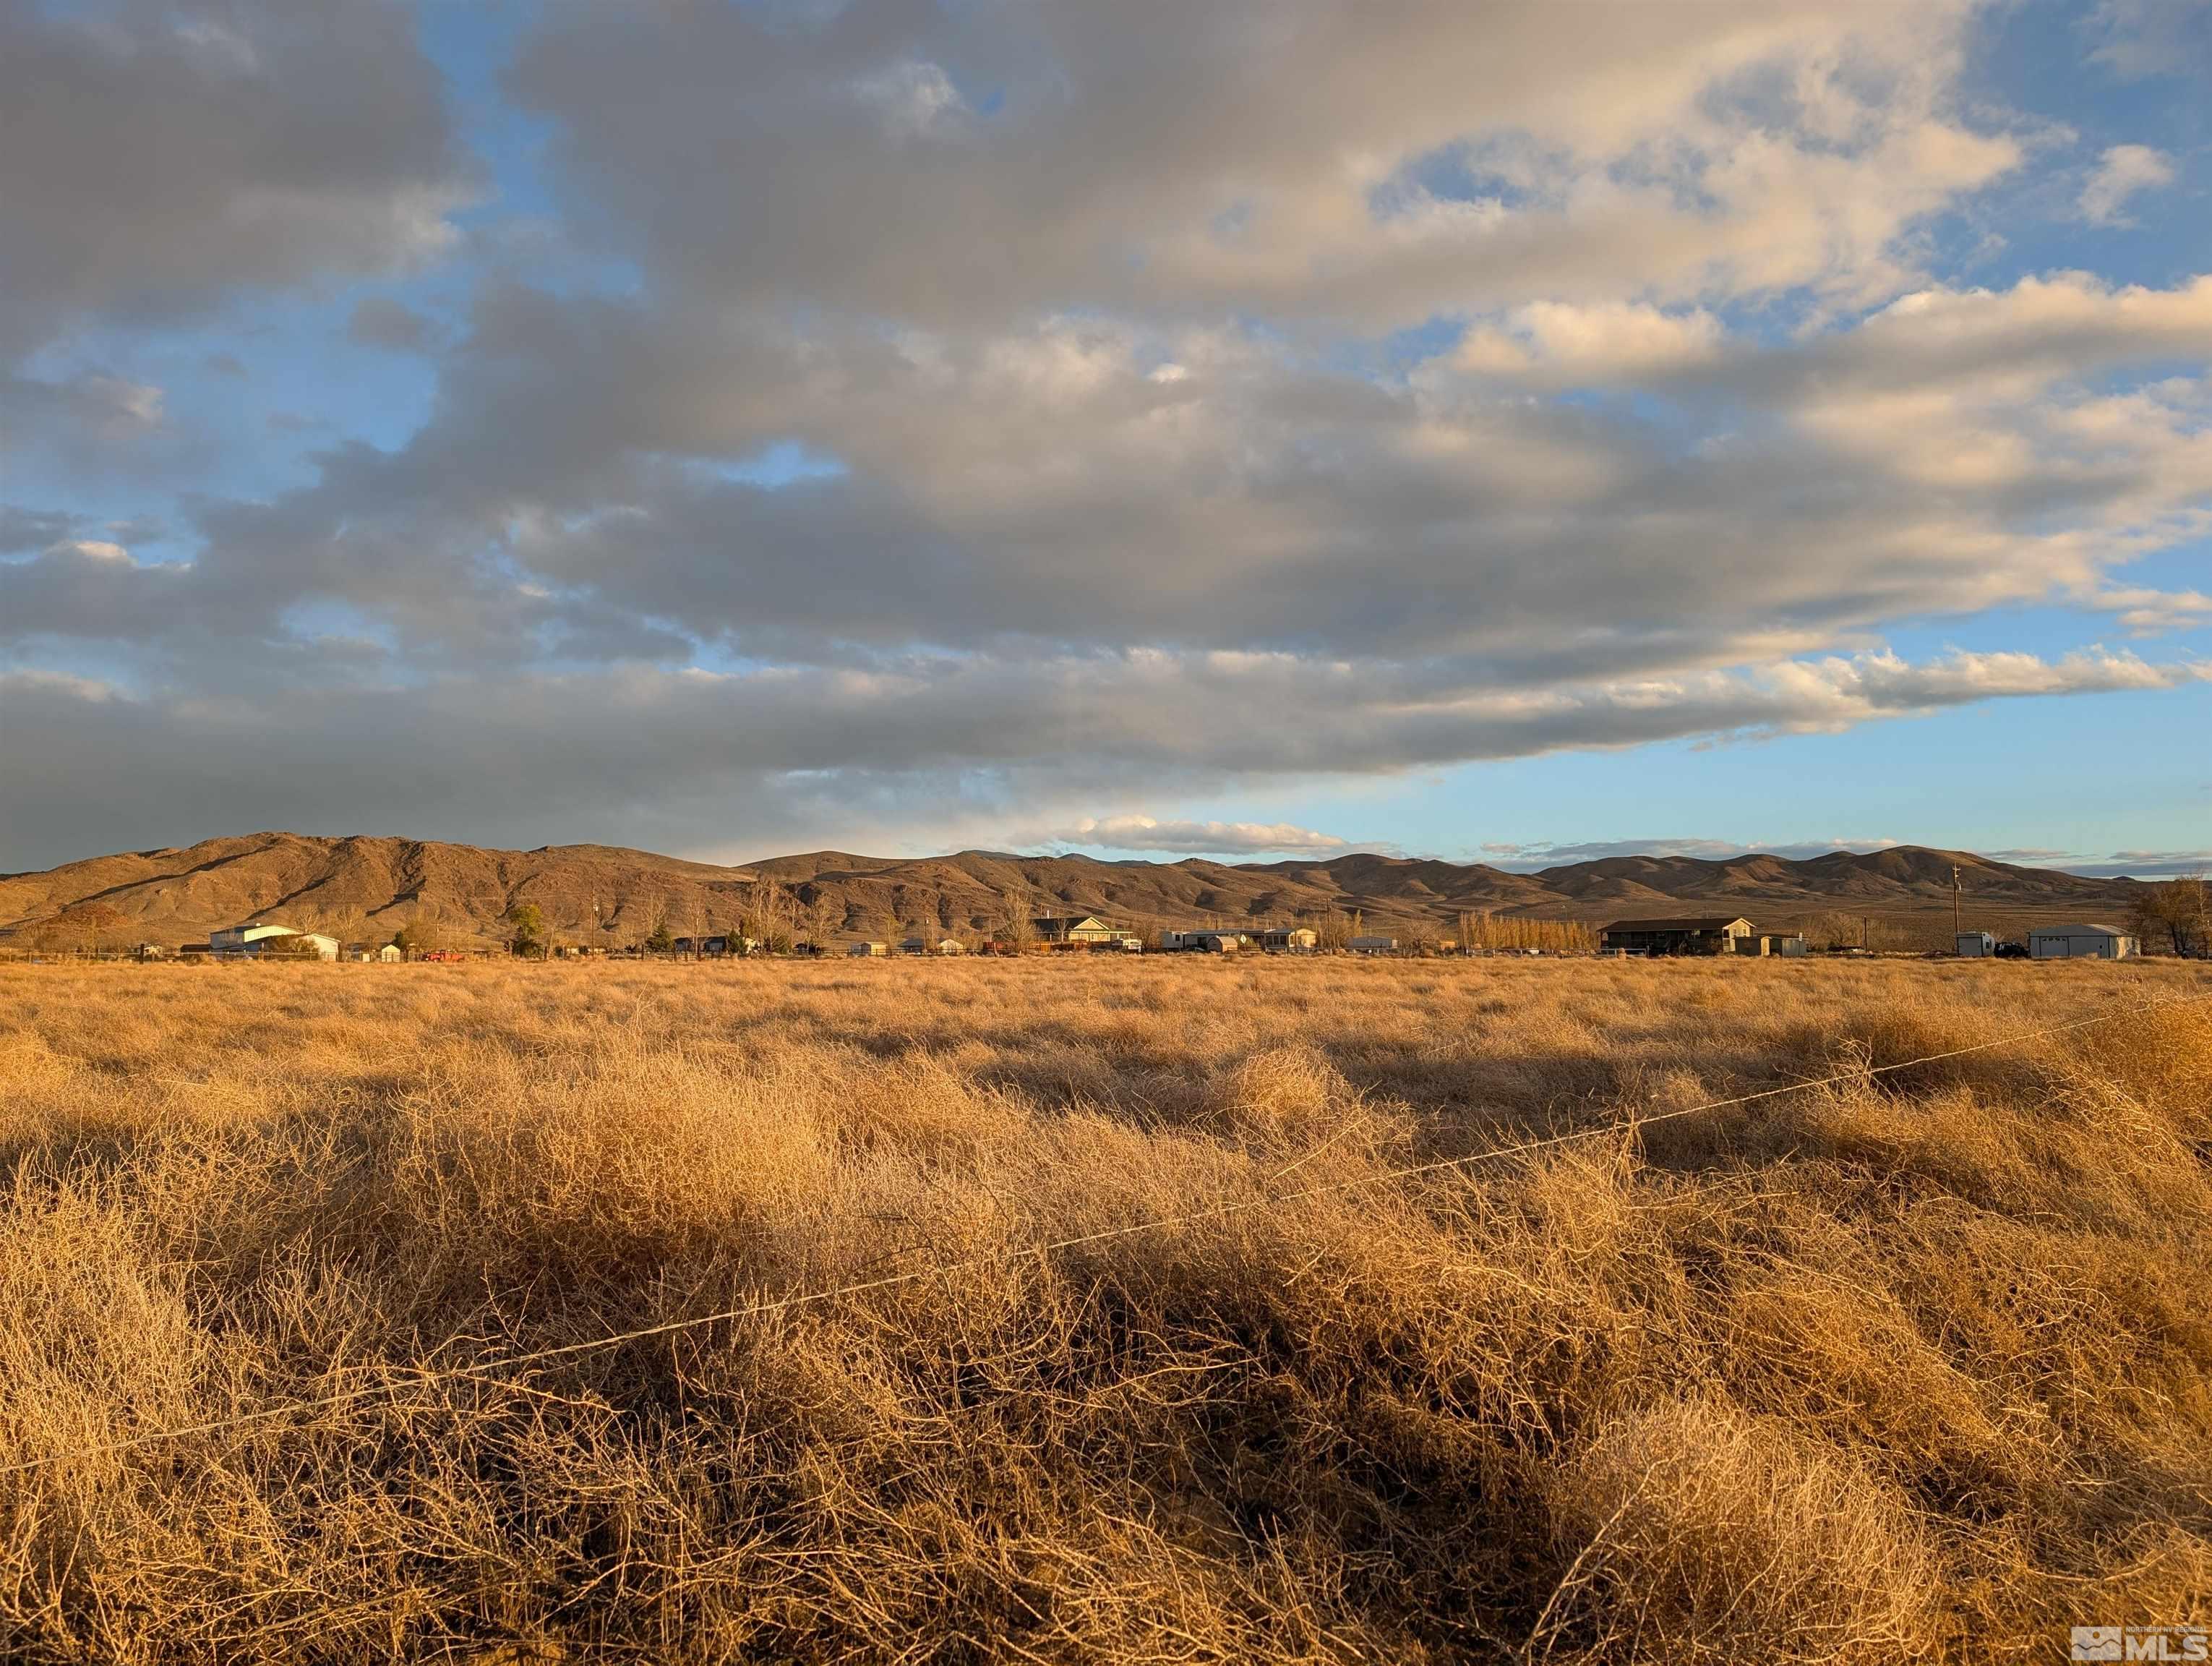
392	954
1085	929
2079	943
948	945
1975	946
1290	940
1373	946
1702	934
869	951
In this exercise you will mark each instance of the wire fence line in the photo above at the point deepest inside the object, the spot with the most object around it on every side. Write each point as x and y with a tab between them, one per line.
400	1379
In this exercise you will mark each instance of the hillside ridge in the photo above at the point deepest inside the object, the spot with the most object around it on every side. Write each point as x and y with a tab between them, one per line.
368	886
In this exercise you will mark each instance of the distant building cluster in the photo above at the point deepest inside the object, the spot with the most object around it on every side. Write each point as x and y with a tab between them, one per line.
1660	937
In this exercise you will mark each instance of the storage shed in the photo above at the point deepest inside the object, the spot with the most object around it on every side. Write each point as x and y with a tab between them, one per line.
1975	946
2079	943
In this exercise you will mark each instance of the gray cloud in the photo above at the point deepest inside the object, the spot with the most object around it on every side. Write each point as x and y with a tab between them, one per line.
1145	157
380	321
649	755
2121	864
23	529
159	155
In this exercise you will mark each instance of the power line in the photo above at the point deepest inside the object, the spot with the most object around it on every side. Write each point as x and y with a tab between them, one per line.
422	1377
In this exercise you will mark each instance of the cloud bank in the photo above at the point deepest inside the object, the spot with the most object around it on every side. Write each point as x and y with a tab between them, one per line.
1028	405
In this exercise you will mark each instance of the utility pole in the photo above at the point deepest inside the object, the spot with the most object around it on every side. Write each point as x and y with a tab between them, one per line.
1954	903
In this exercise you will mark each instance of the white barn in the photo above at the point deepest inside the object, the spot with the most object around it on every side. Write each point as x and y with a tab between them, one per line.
2079	943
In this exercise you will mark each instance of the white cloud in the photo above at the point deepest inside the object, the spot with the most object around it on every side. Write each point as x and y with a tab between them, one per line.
913	99
1600	343
2122	172
1147	833
91	550
2147	612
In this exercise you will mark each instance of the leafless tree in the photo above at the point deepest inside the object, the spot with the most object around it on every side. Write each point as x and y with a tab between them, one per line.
1016	928
2177	911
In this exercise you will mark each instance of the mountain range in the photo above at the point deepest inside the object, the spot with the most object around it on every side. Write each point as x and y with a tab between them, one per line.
366	888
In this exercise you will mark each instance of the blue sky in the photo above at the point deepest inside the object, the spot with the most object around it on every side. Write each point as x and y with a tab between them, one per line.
1268	428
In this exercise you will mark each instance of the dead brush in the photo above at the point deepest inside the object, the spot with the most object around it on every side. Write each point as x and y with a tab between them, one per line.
1907	1364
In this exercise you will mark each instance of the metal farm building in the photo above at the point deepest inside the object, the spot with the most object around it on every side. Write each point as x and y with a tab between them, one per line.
2079	943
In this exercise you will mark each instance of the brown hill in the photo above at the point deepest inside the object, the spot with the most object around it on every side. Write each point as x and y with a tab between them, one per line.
368	888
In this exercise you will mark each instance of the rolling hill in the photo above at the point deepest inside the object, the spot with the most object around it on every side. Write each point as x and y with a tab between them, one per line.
368	888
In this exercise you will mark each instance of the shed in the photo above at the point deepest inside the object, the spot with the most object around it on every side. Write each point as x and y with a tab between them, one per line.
2079	943
1373	946
391	953
867	950
1975	946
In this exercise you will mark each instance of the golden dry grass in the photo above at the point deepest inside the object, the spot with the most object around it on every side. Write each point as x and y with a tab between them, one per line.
1913	1365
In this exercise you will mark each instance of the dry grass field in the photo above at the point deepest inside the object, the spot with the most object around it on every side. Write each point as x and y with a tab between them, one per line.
1916	1364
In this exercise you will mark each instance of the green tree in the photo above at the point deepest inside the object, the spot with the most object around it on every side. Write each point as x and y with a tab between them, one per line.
662	942
527	922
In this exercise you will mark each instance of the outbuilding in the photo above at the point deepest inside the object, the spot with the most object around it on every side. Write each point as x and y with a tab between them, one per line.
869	951
1977	945
1698	934
253	940
1202	940
1373	946
2079	943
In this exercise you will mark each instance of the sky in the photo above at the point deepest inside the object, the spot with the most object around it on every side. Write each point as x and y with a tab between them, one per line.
1262	428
